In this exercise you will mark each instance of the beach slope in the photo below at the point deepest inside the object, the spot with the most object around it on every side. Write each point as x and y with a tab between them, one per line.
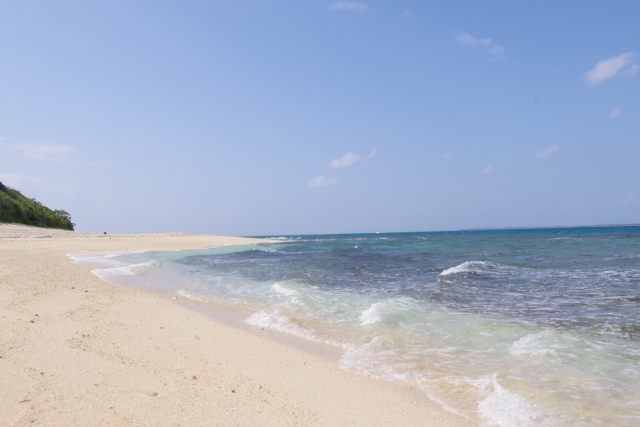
75	350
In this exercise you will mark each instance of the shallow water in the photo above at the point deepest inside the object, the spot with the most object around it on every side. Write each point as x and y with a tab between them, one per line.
510	327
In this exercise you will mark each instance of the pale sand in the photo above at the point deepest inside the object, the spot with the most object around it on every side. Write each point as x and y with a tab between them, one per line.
78	351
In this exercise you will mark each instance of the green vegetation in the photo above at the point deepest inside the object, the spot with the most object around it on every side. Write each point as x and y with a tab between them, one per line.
16	208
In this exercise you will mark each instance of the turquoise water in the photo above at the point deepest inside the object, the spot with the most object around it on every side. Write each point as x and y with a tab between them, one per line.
508	327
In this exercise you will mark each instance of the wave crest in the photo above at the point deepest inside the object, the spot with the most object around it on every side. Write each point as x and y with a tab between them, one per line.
467	267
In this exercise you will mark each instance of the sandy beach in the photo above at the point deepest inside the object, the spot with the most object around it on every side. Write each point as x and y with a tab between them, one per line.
76	350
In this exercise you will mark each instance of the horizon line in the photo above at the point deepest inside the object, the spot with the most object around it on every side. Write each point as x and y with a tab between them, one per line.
458	230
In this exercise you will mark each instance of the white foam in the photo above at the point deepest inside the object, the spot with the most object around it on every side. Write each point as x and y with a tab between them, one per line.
275	320
535	345
263	249
565	238
96	260
292	297
183	293
124	270
278	288
112	267
465	267
372	315
361	359
503	408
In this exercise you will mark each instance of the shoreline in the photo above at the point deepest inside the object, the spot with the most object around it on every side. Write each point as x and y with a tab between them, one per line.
234	317
77	350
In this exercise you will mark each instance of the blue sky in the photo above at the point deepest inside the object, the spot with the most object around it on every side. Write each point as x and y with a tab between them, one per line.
290	117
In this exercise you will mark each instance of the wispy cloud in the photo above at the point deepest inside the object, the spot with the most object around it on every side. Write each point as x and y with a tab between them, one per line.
609	68
616	111
18	181
485	45
547	152
349	159
468	40
322	181
349	6
40	151
448	155
488	170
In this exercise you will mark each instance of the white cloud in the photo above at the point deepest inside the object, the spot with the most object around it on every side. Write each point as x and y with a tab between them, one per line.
344	161
349	159
468	40
40	151
608	68
547	152
485	45
448	155
616	111
371	155
322	181
349	6
487	170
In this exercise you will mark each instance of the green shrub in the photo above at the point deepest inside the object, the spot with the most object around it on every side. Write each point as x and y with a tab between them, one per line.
16	208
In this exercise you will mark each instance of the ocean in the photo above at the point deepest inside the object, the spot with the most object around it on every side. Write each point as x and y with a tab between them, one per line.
517	327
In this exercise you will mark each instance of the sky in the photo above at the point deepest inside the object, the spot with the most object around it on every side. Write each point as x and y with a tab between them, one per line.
259	117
